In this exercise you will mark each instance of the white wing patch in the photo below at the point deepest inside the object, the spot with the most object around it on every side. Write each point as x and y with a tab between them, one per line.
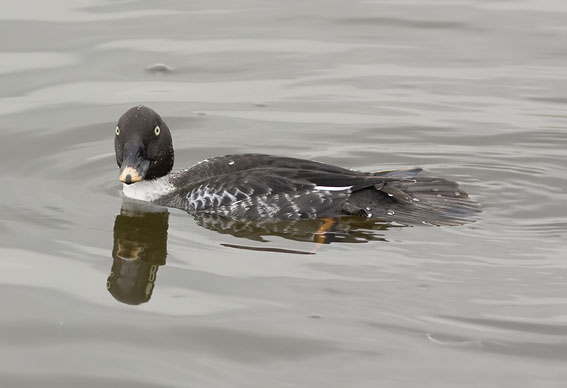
332	188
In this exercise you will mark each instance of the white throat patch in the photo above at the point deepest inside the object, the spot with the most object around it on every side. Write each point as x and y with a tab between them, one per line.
148	190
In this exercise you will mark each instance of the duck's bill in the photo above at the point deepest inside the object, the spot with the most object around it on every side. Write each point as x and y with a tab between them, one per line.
130	175
134	167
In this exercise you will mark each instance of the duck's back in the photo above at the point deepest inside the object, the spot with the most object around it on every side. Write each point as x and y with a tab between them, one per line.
255	186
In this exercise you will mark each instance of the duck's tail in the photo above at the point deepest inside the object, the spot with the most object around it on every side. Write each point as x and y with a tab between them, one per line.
409	199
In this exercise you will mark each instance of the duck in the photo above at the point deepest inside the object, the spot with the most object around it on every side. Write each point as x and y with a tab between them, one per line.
255	186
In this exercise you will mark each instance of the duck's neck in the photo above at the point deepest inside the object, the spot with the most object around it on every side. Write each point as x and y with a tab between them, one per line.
148	190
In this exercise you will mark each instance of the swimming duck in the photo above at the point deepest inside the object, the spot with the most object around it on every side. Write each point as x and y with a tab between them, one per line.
258	186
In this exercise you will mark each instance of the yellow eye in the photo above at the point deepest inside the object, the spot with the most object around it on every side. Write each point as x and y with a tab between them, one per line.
117	131
157	130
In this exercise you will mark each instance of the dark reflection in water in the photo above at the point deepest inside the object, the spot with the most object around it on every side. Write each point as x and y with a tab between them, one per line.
343	229
140	248
140	242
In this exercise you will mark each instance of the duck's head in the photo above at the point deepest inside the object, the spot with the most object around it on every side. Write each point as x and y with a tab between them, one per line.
143	145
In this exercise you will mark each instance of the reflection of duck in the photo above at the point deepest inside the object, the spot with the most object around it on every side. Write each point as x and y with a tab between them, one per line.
345	230
140	242
254	186
140	247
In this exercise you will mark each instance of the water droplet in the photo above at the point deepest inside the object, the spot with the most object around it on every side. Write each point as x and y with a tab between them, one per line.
368	215
439	195
390	195
457	193
367	208
435	189
390	212
231	163
416	199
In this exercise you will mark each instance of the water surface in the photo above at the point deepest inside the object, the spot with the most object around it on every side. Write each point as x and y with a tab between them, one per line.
473	91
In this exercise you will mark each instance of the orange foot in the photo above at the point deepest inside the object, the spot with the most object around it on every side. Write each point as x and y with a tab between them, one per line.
320	234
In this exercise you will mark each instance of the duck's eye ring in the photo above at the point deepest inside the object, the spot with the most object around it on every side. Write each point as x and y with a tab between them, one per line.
157	130
117	131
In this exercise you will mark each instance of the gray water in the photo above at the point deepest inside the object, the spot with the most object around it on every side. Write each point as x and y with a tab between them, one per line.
474	91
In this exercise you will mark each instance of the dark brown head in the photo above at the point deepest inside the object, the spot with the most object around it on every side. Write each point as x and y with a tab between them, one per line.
143	145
